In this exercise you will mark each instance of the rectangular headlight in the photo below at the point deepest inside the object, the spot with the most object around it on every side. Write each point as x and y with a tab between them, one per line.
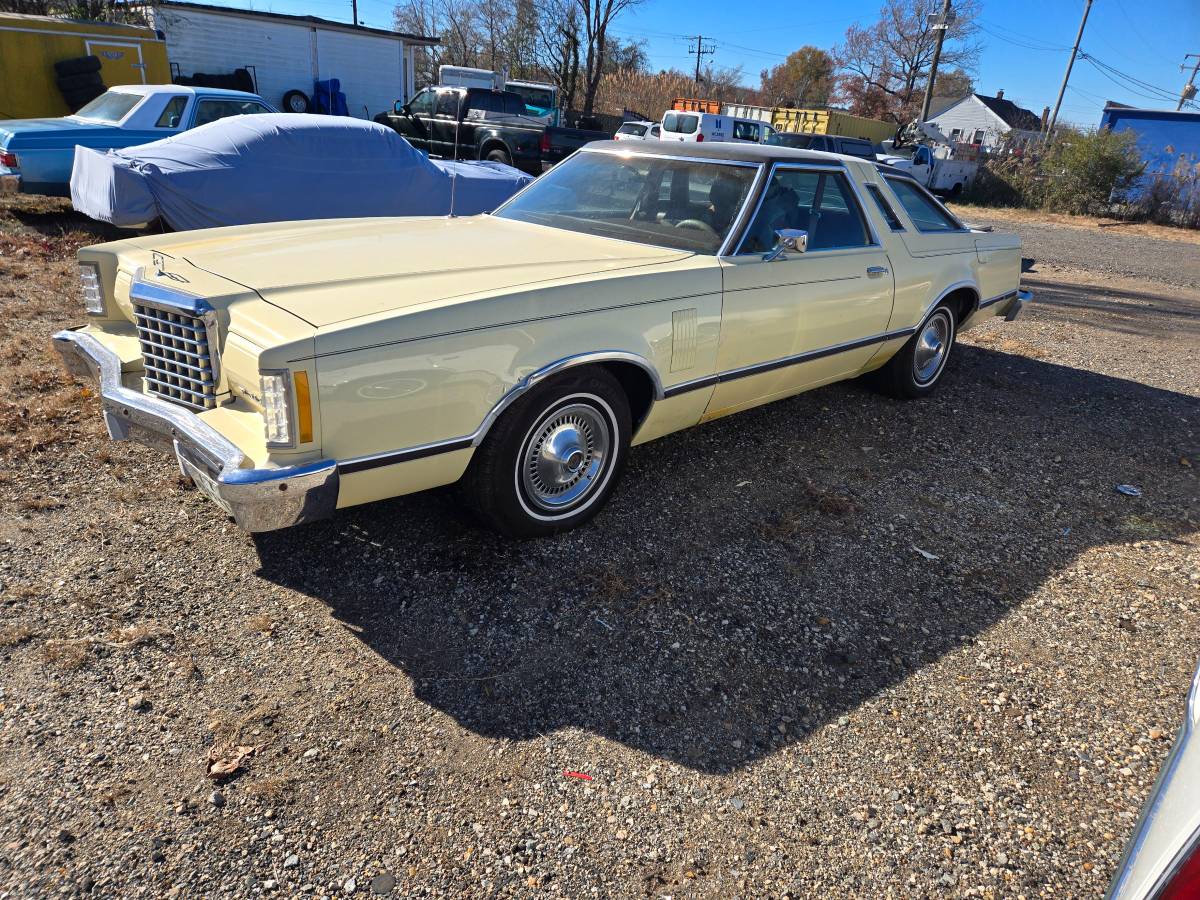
93	296
276	412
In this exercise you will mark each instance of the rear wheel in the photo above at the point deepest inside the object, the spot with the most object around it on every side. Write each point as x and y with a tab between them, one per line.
917	366
551	461
500	156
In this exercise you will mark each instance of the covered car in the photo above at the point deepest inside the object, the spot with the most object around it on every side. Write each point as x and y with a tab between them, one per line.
277	168
36	155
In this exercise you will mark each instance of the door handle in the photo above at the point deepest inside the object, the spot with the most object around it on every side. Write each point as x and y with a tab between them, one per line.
876	271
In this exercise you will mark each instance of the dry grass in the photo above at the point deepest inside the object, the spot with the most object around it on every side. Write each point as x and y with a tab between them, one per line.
261	623
69	655
25	591
607	585
41	405
38	504
271	787
137	635
11	635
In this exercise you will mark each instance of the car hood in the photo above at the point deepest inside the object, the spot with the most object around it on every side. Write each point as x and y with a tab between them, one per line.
332	271
16	133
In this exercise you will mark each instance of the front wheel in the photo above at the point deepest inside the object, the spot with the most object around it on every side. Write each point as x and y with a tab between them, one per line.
551	461
917	366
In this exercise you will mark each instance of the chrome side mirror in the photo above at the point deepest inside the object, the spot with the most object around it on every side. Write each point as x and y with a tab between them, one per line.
795	239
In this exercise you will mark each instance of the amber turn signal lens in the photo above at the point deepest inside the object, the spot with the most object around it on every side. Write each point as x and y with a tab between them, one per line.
303	407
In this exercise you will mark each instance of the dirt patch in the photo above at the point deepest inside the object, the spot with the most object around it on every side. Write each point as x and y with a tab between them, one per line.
836	646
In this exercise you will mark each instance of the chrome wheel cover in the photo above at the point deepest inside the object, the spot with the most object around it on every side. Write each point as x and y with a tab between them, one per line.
565	457
933	346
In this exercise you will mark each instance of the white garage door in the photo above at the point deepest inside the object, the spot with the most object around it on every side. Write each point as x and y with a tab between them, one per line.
369	68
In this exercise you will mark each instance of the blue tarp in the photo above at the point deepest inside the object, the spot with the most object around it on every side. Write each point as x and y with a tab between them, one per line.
280	167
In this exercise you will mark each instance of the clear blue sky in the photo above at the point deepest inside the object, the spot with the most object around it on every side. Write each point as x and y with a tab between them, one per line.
1025	42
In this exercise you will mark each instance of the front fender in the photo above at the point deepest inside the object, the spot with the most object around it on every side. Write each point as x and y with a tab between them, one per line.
382	396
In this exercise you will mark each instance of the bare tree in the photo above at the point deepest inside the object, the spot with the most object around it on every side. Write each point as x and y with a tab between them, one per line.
891	57
461	25
559	40
597	15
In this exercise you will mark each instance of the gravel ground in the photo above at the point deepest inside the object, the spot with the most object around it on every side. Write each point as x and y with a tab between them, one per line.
837	646
1100	249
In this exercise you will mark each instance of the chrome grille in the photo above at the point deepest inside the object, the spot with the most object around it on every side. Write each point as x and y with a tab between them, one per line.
176	355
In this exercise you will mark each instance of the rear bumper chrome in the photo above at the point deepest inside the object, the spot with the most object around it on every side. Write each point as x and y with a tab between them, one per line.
258	499
10	184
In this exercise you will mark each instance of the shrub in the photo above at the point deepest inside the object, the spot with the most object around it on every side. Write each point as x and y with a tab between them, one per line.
1171	198
1086	171
1079	172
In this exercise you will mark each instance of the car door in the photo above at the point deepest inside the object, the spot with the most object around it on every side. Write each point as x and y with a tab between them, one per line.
444	129
922	164
411	120
801	319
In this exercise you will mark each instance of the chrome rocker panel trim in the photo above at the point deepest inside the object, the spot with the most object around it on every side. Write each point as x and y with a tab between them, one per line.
258	499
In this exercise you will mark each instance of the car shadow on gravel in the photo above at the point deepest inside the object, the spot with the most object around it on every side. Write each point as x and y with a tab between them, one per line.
761	576
1155	313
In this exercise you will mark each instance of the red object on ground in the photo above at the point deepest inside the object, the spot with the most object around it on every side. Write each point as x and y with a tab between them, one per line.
583	775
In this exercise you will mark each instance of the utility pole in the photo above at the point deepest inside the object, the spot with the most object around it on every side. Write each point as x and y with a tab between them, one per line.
1189	89
1067	75
940	24
354	7
701	50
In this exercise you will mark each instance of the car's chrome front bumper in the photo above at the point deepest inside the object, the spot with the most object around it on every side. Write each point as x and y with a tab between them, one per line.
258	499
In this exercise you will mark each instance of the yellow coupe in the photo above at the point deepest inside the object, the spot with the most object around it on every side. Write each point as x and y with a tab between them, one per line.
298	368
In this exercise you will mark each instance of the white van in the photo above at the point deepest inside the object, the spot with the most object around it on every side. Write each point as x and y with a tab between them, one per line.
698	126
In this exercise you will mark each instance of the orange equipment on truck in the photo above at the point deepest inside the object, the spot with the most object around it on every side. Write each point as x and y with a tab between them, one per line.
692	104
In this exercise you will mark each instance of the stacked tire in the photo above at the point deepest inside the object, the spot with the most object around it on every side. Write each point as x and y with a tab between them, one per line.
79	80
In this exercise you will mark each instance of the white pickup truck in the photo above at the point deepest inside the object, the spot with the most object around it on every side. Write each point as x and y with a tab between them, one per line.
940	173
931	158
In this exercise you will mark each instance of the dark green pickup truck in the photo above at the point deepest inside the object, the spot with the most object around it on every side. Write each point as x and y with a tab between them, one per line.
476	123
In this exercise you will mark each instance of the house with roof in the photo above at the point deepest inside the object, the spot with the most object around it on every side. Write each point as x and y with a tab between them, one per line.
983	120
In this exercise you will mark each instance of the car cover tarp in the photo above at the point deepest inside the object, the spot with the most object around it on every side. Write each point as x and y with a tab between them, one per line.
280	167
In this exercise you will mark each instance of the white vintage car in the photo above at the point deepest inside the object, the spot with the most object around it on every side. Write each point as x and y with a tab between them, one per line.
298	368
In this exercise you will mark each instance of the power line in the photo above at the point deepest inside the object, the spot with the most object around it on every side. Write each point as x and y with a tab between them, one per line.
700	49
1026	40
1124	79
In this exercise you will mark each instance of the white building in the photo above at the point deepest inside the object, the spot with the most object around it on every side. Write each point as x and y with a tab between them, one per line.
286	53
976	119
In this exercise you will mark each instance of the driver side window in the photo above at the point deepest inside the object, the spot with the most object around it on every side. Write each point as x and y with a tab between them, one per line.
422	104
820	203
172	113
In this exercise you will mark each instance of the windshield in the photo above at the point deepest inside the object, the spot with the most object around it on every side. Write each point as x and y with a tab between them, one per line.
653	200
797	141
110	107
679	123
535	98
